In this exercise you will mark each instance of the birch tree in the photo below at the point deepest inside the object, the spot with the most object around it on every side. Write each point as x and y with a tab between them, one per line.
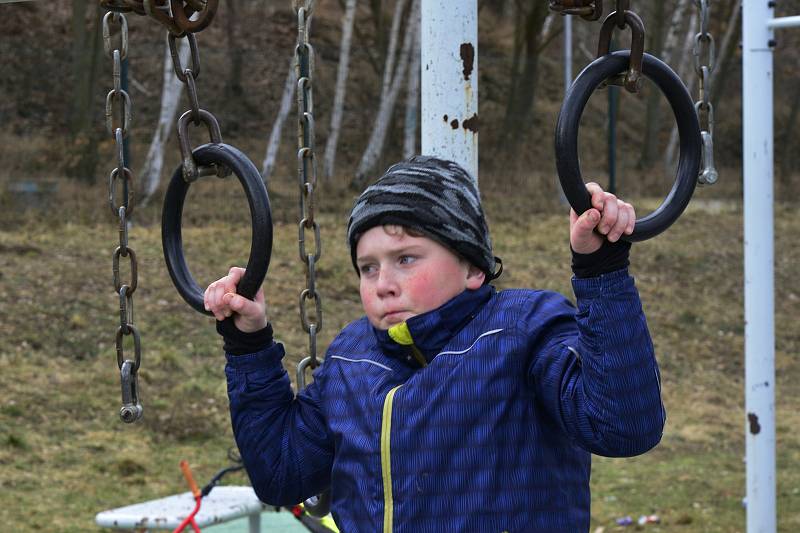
150	176
392	79
274	141
341	88
683	70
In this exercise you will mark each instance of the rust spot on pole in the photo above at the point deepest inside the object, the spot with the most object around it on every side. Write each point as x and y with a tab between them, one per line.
454	124
444	118
467	58
755	427
471	123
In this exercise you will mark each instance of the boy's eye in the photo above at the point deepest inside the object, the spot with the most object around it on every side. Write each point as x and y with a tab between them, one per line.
406	259
366	269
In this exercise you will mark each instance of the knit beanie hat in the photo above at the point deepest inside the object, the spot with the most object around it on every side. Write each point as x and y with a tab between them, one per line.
436	197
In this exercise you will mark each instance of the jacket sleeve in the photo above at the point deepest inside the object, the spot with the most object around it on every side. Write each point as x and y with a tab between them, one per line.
283	439
597	374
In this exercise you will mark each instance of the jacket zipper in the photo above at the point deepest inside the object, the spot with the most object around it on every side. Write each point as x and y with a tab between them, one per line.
386	460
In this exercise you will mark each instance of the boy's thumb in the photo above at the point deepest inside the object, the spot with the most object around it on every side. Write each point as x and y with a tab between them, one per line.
589	219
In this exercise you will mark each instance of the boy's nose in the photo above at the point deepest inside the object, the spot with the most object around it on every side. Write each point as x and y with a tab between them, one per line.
387	284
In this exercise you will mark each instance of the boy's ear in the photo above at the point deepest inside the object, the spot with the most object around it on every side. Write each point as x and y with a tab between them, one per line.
475	277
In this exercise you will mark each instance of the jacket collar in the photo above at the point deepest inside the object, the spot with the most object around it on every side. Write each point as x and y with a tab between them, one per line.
432	330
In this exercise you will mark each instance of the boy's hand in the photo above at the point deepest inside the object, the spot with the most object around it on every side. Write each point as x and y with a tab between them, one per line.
221	299
609	215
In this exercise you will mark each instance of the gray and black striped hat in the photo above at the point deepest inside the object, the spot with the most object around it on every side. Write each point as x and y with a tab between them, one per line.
436	197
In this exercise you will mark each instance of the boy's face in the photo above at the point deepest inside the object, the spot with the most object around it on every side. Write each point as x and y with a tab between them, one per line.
403	275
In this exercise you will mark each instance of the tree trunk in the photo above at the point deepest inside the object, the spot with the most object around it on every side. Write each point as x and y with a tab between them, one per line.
392	83
341	88
150	176
726	50
277	127
516	59
673	31
85	64
652	115
78	112
519	111
787	147
412	97
233	83
683	69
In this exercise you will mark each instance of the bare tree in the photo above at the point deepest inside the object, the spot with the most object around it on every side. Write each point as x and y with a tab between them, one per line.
86	46
528	42
341	88
277	127
412	96
682	70
392	78
673	31
649	151
726	50
150	176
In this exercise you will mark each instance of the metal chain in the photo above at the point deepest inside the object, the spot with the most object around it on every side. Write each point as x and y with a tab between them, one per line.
118	121
586	9
188	76
704	63
307	179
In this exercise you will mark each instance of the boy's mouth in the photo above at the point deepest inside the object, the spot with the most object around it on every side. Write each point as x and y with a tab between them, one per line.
393	316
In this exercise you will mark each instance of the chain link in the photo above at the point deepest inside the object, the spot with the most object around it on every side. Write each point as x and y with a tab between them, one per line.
704	63
307	181
586	9
118	127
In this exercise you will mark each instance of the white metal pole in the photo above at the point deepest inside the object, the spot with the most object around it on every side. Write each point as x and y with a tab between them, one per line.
758	265
450	81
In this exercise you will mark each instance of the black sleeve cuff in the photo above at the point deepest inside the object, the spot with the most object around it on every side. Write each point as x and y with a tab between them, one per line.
240	343
611	256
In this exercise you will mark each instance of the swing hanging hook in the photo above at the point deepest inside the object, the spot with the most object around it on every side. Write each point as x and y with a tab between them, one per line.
632	78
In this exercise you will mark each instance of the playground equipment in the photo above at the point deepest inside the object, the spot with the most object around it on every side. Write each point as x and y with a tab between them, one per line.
759	24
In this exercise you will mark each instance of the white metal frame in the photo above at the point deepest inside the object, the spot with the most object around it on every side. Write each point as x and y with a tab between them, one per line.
758	23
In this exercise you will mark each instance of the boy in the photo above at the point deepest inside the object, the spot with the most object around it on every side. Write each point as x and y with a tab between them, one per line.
450	406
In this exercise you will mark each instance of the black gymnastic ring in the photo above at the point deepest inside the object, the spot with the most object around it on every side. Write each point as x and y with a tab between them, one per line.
566	145
260	214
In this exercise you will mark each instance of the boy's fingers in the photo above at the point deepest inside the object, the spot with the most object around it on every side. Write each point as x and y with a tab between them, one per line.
619	226
631	218
235	274
597	195
610	213
241	305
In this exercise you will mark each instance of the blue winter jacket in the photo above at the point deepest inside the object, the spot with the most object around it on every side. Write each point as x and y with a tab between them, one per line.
494	433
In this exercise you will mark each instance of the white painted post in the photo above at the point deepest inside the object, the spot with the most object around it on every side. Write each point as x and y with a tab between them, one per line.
759	344
450	81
